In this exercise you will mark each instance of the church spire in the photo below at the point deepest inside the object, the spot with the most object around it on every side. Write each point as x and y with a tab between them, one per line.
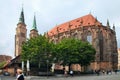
34	31
21	34
108	25
113	27
21	19
34	24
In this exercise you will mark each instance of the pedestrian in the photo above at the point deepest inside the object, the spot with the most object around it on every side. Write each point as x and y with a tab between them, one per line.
65	73
20	75
97	72
71	73
115	71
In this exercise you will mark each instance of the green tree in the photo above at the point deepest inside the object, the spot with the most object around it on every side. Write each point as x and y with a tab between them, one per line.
2	64
38	51
70	50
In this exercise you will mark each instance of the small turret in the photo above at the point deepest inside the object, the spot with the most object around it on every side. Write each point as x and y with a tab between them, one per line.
108	25
113	27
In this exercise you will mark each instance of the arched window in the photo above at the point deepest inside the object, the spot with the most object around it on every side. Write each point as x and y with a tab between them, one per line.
89	37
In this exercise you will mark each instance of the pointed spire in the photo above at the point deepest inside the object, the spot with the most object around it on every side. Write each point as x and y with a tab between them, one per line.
34	24
96	18
108	25
21	19
34	31
113	27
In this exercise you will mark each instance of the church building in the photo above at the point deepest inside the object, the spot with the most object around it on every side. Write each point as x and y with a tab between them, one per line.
21	33
20	38
86	28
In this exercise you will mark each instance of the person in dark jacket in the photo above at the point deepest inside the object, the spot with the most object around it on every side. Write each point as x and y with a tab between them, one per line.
20	75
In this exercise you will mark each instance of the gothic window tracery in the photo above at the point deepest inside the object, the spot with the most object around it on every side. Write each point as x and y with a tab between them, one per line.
89	37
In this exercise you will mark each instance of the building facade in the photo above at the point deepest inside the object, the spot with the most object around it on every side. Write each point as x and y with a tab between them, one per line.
20	38
21	33
88	28
119	59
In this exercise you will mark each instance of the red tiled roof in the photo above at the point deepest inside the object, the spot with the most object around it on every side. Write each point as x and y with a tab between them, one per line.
87	20
5	58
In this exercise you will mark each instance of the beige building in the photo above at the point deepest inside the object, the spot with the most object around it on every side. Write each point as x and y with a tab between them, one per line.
119	59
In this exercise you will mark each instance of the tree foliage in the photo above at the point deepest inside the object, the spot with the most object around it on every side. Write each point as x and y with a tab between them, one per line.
37	50
72	50
2	64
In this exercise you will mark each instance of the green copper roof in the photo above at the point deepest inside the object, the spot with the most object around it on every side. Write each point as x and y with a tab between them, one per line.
21	19
34	24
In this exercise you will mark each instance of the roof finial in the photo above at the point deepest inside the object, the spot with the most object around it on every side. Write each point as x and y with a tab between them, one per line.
22	6
113	27
96	18
108	25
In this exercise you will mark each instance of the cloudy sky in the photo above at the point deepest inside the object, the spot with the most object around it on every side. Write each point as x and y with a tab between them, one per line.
52	12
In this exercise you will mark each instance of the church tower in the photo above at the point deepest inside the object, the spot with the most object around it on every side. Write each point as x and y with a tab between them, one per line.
34	31
21	33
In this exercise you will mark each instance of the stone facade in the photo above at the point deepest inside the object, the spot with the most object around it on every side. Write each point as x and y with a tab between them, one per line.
33	33
20	37
119	59
88	28
21	34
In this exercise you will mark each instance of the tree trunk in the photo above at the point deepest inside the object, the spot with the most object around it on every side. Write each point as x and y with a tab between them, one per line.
69	66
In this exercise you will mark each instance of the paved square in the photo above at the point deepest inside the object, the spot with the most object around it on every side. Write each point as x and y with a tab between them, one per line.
88	77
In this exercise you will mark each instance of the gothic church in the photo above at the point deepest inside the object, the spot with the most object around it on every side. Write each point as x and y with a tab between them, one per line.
86	28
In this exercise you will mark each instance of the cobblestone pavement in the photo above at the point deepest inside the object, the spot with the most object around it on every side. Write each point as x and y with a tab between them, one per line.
87	77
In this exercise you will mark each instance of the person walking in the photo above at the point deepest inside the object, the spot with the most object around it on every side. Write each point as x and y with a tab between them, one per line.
65	73
20	75
71	73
